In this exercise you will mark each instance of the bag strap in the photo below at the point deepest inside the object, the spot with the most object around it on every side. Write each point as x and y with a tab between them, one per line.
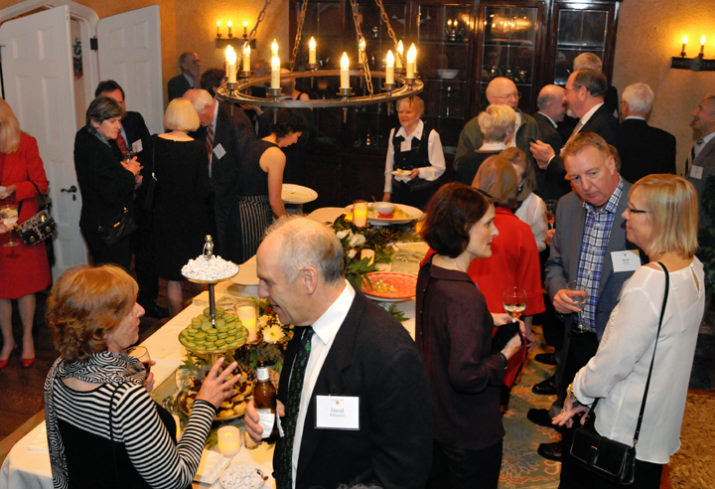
650	369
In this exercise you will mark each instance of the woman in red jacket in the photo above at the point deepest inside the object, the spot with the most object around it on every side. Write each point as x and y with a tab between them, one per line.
24	269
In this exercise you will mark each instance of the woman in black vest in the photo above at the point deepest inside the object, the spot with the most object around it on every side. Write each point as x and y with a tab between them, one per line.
415	161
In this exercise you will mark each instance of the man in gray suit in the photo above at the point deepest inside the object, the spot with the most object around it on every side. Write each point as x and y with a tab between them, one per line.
589	246
701	161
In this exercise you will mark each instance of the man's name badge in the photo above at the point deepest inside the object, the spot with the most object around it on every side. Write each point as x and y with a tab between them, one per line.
696	171
625	261
337	412
137	146
219	151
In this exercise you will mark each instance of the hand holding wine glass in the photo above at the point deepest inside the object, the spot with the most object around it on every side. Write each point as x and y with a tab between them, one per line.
551	213
9	215
578	295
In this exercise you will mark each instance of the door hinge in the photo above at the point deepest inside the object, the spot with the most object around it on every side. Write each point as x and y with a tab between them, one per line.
93	44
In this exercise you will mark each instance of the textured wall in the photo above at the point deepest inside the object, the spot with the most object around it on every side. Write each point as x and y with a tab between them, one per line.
650	32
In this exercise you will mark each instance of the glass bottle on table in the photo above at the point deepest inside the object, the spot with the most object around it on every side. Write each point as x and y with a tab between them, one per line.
264	396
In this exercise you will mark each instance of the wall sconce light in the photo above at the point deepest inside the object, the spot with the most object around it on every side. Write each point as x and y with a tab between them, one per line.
222	41
698	63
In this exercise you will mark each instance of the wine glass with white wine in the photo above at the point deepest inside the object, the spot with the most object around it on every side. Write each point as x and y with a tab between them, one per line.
514	301
9	215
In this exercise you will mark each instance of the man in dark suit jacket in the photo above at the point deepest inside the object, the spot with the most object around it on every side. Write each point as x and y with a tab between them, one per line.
643	149
552	109
361	361
232	133
585	90
589	246
135	135
701	161
190	66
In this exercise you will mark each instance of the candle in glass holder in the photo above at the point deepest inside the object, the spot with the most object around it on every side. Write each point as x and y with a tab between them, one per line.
246	57
230	64
275	72
369	254
344	71
390	68
360	213
312	47
229	440
247	315
400	52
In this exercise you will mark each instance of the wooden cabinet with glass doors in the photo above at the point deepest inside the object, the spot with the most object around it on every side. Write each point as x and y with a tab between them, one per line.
461	46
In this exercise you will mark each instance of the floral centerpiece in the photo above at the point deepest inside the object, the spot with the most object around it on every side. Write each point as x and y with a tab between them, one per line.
379	239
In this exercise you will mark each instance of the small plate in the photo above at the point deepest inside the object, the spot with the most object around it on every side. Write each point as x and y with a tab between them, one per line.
243	477
405	214
402	286
297	194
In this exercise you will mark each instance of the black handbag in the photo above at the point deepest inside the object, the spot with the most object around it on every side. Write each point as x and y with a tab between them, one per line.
612	460
40	226
121	226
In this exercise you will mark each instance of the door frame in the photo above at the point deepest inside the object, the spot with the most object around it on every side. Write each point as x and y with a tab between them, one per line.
87	19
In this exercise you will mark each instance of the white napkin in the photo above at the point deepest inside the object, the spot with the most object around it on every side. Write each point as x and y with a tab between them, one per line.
212	464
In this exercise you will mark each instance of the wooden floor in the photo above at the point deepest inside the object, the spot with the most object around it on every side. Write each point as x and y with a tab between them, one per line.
21	388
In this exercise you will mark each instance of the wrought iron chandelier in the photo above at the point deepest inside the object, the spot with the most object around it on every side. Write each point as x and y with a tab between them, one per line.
398	83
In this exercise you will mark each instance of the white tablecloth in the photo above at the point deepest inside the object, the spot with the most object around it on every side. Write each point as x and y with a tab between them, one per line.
27	466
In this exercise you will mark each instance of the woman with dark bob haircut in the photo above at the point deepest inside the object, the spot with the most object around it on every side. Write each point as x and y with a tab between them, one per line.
106	182
103	428
261	179
454	331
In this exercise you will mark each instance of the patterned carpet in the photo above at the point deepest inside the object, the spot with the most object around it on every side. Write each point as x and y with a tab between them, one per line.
522	467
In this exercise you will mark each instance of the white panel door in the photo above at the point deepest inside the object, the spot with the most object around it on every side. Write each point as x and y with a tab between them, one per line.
37	75
130	54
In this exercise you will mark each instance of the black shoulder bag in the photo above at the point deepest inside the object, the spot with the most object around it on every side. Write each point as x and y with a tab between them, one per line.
40	226
608	458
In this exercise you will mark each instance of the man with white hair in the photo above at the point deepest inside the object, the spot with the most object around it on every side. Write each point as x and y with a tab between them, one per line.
643	149
226	131
500	90
353	397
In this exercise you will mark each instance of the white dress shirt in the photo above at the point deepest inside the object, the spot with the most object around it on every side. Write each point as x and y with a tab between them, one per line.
435	155
617	373
326	328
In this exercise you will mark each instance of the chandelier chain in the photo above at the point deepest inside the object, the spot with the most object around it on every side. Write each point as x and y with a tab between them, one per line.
390	31
252	34
359	36
298	34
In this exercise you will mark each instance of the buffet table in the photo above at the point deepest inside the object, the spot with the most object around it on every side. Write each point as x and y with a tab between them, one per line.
27	465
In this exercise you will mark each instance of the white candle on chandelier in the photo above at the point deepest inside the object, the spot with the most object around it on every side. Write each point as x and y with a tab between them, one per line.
245	29
361	50
411	61
702	45
218	28
275	72
390	68
230	64
344	71
312	46
274	48
246	57
400	52
230	25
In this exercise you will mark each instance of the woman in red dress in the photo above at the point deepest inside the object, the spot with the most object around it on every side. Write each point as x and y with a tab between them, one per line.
24	269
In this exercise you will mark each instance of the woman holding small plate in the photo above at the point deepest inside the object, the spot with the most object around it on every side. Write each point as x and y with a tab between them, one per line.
415	161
